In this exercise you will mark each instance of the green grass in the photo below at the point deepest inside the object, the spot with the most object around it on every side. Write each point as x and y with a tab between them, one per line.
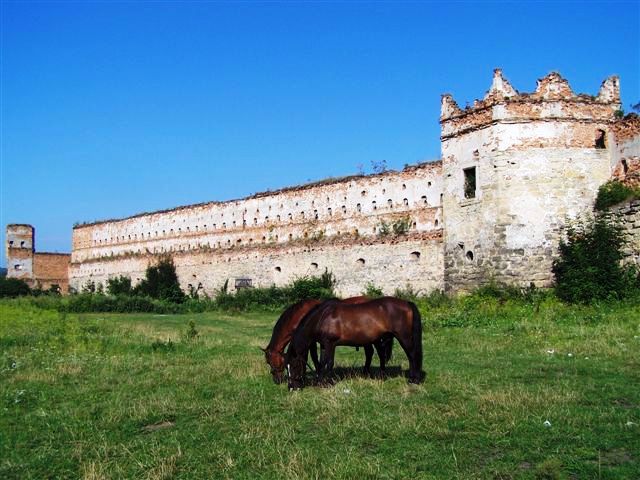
129	396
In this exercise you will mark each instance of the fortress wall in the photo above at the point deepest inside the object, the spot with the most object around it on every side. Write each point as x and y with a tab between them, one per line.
388	262
51	269
357	205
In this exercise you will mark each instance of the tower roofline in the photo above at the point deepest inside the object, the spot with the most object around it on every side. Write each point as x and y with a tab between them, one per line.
550	88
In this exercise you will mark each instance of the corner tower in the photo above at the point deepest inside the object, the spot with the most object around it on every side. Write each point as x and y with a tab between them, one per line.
515	167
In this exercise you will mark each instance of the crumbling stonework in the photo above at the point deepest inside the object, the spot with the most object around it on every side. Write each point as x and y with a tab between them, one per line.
39	269
625	155
515	167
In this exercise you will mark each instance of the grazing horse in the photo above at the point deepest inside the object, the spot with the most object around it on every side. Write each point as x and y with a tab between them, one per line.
333	323
289	321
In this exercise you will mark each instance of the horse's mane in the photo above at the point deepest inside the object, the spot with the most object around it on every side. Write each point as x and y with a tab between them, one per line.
282	321
313	315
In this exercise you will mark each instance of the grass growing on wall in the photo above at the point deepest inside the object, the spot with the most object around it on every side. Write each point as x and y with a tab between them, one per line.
189	396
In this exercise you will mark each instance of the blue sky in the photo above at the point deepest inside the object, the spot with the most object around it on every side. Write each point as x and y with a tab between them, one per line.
114	108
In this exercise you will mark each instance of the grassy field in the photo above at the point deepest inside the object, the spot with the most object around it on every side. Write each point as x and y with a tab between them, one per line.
133	396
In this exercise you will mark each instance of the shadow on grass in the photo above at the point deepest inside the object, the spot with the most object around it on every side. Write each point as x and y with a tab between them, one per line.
346	373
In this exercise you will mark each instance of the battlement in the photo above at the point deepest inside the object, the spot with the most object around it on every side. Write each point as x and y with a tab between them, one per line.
553	99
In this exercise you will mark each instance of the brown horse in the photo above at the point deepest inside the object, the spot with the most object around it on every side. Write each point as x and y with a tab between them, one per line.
334	323
289	321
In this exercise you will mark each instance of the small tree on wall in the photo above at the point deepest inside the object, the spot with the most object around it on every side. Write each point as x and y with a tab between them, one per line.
161	281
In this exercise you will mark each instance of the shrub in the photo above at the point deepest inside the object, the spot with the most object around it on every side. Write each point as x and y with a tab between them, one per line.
589	267
161	282
119	285
89	287
401	226
612	193
313	287
372	291
408	293
13	287
383	228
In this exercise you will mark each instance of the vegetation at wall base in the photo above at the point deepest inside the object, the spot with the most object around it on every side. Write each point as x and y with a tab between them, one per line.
161	282
589	266
144	396
13	287
614	192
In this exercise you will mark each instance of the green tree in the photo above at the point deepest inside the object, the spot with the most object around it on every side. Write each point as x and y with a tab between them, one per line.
161	281
120	285
589	267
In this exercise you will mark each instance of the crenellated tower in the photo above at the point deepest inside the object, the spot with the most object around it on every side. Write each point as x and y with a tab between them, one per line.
515	167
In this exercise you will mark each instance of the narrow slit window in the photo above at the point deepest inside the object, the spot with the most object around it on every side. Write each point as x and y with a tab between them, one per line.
600	139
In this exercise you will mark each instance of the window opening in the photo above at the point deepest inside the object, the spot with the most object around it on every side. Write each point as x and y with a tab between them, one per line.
470	182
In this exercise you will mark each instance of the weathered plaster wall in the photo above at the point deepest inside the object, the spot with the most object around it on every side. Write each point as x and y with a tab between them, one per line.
537	163
388	262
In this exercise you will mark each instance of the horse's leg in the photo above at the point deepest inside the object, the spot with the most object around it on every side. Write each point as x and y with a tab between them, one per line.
329	353
406	343
382	353
368	352
314	356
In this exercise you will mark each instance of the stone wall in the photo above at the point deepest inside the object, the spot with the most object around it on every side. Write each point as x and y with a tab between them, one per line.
625	154
330	208
328	215
388	262
629	215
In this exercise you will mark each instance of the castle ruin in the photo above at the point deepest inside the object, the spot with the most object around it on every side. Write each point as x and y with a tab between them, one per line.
515	168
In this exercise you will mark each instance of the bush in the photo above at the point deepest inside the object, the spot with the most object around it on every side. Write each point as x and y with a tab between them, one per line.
408	293
589	267
119	286
612	193
161	282
13	287
313	287
372	291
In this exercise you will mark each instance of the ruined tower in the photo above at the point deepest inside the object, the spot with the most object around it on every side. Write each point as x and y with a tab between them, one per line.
516	166
39	269
19	251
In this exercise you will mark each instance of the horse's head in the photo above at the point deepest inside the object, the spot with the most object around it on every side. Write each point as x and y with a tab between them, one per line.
295	369
276	361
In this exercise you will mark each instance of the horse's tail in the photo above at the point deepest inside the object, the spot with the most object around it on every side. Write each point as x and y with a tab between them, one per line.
416	329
